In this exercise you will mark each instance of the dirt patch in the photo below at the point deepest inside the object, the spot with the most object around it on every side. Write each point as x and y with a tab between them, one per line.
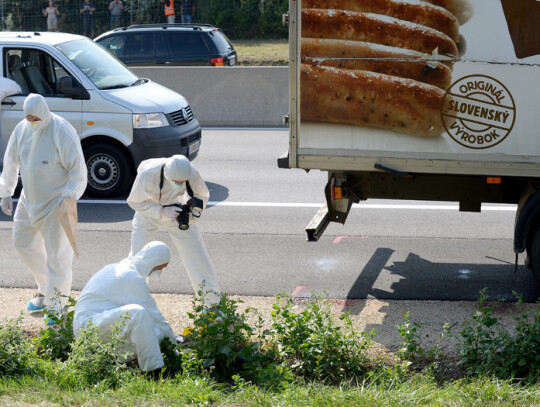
367	315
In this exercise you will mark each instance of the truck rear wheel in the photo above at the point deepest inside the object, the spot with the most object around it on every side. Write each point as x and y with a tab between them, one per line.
109	172
534	256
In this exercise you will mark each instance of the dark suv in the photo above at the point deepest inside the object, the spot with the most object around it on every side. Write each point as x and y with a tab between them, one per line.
169	44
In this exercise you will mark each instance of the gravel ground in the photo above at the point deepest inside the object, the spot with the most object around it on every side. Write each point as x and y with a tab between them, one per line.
367	315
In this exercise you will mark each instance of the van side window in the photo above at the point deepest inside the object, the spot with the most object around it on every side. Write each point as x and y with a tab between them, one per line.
35	71
187	43
12	59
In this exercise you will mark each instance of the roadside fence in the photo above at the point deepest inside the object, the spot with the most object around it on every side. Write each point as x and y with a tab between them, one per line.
28	15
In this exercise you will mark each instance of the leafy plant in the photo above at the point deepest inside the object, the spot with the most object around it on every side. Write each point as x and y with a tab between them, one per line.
410	346
222	338
486	347
16	355
313	346
192	366
54	342
94	360
172	357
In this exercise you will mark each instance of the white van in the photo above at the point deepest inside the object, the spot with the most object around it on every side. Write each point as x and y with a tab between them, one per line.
121	119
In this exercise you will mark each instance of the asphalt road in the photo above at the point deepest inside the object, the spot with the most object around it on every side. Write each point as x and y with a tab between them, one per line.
254	232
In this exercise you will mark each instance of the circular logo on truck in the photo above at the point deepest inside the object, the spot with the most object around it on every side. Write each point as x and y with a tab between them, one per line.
478	111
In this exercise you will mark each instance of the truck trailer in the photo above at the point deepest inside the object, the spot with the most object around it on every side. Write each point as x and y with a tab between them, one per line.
434	100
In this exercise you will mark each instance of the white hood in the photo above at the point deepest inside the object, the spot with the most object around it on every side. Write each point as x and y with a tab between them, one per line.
36	105
147	98
153	254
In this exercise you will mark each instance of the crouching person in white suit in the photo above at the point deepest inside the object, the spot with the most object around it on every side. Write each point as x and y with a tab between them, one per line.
160	183
121	288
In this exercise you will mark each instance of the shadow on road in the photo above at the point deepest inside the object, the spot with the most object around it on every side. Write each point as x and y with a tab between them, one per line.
446	294
419	279
218	193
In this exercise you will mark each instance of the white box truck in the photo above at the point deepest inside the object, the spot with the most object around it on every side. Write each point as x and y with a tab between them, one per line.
424	100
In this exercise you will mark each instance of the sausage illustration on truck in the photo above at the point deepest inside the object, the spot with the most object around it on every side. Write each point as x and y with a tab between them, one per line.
423	100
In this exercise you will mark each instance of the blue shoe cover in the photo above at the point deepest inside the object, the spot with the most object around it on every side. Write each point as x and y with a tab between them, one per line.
48	320
32	307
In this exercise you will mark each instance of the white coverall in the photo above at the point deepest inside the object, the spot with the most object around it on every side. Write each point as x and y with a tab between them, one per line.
146	201
119	288
49	157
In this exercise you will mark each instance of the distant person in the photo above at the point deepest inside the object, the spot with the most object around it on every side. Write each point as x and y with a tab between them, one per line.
169	10
187	8
116	7
87	10
51	12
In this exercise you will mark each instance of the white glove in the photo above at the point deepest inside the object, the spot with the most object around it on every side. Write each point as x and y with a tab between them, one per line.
7	205
170	212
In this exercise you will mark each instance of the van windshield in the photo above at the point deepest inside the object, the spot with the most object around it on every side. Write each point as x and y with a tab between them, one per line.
103	69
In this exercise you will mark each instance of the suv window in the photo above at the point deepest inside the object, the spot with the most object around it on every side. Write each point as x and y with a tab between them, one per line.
146	44
221	41
115	44
188	43
35	71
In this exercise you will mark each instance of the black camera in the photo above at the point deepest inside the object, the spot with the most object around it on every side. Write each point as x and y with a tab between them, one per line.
193	206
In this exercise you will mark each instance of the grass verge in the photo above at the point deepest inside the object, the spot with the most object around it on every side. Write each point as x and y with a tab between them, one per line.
418	391
304	358
262	53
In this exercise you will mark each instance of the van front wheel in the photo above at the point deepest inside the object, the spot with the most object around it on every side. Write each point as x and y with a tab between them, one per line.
109	172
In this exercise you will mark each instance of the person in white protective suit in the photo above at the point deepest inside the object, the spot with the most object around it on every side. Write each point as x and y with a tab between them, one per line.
165	181
46	150
121	288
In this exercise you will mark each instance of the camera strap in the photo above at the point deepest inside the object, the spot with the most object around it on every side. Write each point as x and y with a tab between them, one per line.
162	180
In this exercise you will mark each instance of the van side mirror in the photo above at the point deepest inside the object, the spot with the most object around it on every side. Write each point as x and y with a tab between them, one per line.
65	87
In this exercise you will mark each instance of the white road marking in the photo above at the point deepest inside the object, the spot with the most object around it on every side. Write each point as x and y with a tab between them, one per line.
430	207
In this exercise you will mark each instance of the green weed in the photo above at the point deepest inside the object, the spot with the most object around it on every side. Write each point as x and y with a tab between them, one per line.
171	357
411	350
313	346
224	341
486	347
410	346
16	354
93	361
54	342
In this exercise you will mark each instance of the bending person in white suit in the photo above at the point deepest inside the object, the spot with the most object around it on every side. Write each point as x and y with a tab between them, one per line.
121	288
46	150
162	182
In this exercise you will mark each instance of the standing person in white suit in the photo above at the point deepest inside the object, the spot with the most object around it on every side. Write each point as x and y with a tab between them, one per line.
46	150
161	182
121	288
